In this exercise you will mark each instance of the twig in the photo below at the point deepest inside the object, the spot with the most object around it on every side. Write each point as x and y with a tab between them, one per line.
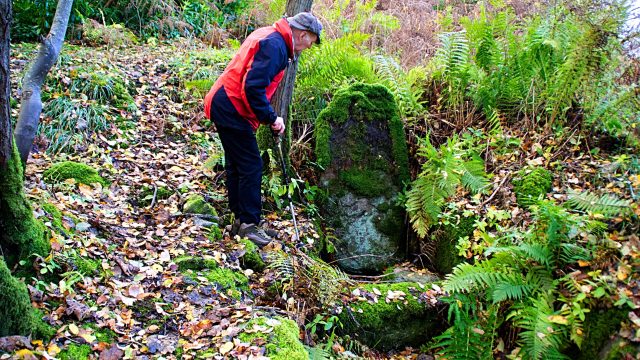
495	191
155	194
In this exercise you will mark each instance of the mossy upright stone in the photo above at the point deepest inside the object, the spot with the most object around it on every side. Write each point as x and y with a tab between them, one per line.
361	148
16	312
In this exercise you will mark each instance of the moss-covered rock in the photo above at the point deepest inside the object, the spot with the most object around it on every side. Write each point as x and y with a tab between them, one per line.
446	257
75	352
282	337
81	173
531	184
361	147
195	263
396	318
234	283
251	258
21	234
196	204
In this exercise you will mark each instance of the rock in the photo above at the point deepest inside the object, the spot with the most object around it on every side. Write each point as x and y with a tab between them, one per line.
392	316
360	145
196	204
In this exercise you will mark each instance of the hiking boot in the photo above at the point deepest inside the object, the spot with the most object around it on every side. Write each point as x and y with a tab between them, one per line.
271	232
254	233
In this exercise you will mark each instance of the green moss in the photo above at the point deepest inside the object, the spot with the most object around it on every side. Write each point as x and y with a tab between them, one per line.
233	282
15	304
55	215
196	204
251	258
368	183
86	266
20	233
446	237
215	234
531	185
195	263
387	325
105	335
40	329
598	327
75	352
362	102
82	173
13	103
283	343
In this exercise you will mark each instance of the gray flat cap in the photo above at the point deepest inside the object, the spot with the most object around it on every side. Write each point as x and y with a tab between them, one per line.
306	21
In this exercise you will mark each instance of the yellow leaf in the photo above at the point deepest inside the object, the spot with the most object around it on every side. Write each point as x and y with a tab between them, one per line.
73	328
226	347
24	354
53	349
558	319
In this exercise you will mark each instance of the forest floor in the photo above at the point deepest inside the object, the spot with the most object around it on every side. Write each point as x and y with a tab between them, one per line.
138	296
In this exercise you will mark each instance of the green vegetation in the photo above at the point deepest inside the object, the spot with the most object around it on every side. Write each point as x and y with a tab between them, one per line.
81	173
446	238
453	165
283	341
86	266
15	305
532	185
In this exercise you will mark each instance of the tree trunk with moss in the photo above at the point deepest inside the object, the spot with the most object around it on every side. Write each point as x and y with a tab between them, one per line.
20	233
282	98
31	102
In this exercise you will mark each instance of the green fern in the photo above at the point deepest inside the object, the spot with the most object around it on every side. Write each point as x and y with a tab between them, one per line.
541	338
606	204
394	78
454	164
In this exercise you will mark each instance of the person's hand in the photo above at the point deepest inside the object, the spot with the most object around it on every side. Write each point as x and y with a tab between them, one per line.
278	125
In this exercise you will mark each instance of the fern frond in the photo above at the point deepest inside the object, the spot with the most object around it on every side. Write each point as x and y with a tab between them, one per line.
512	287
540	337
608	205
466	277
283	265
473	177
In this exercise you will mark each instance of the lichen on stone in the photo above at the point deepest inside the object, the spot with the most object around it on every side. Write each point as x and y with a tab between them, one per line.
282	343
81	173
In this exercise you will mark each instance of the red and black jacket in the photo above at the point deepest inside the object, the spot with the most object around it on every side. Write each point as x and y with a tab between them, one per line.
243	92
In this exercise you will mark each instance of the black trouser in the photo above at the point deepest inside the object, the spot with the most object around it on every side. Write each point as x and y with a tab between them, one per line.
244	173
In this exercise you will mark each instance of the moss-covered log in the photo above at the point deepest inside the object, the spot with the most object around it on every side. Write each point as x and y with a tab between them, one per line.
20	233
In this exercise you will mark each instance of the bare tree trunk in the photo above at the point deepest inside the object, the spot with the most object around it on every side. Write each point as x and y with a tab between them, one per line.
6	145
282	98
31	103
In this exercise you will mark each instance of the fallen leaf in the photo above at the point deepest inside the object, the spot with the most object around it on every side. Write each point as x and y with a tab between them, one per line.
226	347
